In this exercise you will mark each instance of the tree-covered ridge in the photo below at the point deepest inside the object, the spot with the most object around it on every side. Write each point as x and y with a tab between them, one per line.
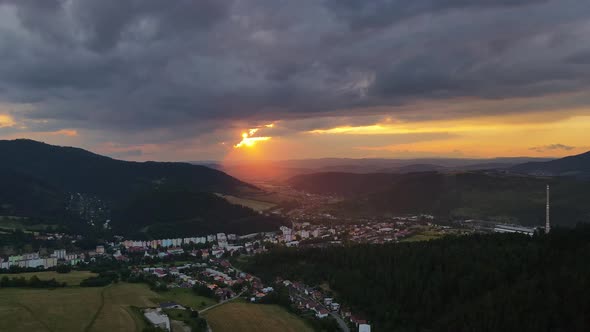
77	170
494	282
578	165
469	195
151	199
24	195
172	212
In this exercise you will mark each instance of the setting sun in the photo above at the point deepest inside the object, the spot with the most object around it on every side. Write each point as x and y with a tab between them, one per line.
250	141
248	138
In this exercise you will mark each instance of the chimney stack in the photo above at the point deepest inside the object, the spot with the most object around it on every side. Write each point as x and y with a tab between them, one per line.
547	221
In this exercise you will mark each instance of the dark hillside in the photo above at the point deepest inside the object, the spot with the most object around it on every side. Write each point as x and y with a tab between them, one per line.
24	195
76	170
488	195
170	212
577	166
59	184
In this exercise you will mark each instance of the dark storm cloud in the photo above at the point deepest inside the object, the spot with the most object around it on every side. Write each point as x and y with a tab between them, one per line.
377	13
187	67
101	25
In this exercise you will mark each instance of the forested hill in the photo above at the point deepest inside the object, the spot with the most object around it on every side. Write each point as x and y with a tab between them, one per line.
496	282
25	195
150	199
578	165
504	197
76	170
169	213
343	184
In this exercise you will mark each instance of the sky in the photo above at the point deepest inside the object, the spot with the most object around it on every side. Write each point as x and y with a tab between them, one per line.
274	79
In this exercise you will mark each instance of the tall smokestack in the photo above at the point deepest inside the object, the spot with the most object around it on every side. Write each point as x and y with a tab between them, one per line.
547	221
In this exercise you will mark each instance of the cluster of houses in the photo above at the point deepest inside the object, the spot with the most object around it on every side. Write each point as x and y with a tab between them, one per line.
215	274
221	243
291	237
216	245
221	239
34	260
306	298
306	233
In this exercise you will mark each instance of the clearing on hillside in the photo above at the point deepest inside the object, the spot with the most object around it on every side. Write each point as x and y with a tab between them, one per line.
255	205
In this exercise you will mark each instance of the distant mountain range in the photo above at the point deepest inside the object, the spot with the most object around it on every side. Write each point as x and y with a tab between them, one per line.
50	183
285	169
576	166
488	195
38	180
514	194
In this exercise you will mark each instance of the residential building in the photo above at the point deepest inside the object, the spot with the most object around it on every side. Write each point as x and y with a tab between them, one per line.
157	318
59	253
364	328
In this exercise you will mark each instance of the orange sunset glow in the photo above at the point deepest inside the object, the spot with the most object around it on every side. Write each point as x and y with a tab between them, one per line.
250	140
336	86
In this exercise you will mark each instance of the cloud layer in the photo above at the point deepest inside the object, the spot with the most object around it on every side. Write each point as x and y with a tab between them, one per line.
156	72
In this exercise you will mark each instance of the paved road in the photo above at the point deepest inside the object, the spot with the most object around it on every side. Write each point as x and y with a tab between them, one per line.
343	326
220	303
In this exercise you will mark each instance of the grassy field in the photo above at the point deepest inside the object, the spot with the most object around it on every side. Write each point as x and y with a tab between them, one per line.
114	308
68	309
253	204
115	314
74	308
248	317
186	297
72	279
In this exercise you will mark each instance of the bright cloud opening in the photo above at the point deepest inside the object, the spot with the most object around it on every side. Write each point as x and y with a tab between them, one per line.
248	138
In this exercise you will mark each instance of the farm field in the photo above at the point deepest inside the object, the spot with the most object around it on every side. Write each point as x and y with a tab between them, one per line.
72	279
246	317
255	205
113	308
74	308
116	314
